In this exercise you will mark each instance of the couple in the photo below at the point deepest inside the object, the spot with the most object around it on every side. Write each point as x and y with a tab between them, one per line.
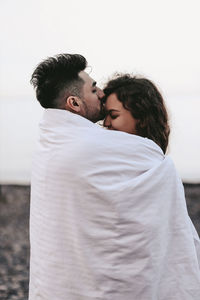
108	217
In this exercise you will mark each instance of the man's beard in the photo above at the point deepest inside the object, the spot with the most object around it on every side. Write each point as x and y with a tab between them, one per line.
94	115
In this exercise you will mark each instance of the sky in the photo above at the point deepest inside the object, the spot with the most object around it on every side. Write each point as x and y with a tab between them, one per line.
155	38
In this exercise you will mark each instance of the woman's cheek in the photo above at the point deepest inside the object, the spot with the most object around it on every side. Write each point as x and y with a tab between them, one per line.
116	124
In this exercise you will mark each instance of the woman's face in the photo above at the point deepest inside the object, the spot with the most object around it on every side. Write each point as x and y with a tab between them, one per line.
118	117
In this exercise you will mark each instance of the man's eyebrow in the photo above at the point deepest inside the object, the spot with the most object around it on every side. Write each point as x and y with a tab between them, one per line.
94	83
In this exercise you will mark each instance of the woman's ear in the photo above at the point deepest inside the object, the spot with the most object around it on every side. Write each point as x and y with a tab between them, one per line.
73	103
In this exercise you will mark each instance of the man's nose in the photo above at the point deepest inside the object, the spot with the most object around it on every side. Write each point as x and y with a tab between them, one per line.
100	93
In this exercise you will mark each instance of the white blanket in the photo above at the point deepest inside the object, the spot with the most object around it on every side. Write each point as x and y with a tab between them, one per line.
108	217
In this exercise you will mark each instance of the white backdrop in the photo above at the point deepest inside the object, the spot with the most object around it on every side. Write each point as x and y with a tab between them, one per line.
156	38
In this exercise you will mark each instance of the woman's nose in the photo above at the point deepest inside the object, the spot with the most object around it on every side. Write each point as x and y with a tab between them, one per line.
107	122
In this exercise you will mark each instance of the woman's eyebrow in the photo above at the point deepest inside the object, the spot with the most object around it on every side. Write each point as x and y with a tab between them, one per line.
111	110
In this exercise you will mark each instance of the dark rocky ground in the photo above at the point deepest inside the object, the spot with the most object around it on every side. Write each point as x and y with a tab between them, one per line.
14	241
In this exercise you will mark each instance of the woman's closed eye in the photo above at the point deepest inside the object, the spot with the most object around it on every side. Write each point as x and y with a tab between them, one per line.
113	116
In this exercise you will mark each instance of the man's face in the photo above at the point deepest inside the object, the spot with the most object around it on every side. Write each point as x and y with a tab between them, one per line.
91	99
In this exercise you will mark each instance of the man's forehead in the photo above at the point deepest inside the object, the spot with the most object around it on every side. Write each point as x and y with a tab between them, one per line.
86	77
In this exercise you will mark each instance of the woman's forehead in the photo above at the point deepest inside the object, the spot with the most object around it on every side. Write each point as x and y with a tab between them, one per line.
112	102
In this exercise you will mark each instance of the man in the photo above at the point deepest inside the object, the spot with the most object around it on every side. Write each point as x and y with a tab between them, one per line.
108	218
62	83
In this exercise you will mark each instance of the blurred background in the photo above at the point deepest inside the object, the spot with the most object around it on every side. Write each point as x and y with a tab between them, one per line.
155	38
158	39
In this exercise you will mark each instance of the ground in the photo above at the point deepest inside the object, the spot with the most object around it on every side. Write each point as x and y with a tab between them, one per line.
14	237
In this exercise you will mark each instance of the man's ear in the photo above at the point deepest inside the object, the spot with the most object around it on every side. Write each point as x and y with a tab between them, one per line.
73	103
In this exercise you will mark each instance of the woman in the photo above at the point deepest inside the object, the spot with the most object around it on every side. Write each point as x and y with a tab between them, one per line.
134	105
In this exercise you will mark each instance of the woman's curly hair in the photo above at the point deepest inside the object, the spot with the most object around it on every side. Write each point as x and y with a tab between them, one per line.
141	97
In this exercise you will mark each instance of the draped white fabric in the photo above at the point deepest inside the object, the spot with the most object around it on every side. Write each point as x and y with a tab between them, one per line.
108	217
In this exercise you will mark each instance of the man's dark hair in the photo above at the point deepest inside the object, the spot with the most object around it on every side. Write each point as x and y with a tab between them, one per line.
57	75
141	97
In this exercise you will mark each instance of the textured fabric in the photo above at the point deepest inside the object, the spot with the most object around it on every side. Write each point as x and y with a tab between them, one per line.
108	217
